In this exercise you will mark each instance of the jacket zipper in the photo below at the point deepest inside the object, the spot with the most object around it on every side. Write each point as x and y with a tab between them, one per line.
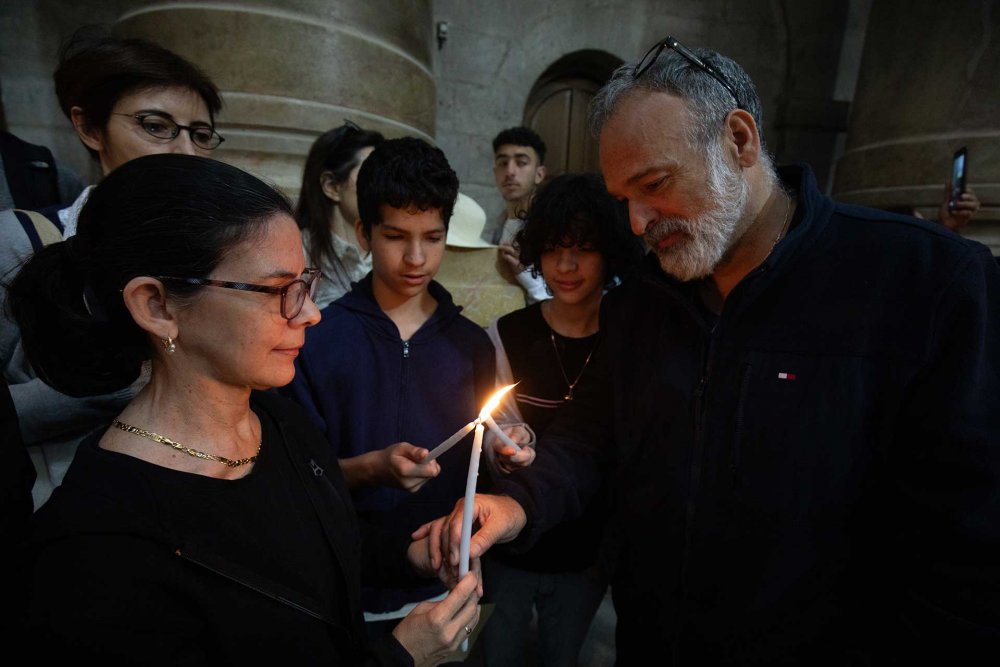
257	589
402	390
700	417
734	461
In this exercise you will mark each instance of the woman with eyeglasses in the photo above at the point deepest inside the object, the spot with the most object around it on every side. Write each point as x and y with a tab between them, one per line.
328	208
207	522
126	98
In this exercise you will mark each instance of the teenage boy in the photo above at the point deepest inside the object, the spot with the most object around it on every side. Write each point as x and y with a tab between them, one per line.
393	362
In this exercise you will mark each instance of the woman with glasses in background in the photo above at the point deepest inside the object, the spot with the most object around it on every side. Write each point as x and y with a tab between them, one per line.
328	208
126	98
206	523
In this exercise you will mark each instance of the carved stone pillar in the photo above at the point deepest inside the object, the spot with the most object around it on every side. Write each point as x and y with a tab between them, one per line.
927	86
291	70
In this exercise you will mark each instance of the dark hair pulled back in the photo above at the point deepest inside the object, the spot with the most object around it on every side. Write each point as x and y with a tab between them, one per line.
166	214
335	151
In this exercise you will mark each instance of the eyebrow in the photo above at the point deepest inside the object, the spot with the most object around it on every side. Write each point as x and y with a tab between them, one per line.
669	169
166	114
389	226
281	273
515	155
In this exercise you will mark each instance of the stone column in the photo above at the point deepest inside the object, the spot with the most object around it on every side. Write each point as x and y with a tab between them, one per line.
291	70
928	85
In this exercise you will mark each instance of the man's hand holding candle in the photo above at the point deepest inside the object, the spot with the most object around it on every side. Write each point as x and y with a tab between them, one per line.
500	519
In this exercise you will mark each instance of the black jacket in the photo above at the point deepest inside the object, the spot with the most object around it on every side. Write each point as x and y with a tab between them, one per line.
813	477
115	582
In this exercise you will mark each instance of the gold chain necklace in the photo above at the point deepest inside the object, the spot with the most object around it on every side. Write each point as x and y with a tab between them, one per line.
784	227
569	385
156	437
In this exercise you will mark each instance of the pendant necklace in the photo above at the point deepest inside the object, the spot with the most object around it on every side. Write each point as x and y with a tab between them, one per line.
570	385
156	437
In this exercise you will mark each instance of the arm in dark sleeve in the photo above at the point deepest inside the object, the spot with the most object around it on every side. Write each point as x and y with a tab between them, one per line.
947	467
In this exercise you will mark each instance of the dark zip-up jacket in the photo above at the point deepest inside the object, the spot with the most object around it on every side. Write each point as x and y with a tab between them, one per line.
117	583
366	388
813	476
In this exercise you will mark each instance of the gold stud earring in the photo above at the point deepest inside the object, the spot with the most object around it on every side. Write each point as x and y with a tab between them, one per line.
169	346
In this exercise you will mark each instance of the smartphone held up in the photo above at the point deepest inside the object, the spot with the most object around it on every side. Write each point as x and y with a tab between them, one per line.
959	176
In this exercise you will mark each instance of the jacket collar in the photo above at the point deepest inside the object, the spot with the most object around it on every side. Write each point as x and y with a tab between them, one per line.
361	301
812	214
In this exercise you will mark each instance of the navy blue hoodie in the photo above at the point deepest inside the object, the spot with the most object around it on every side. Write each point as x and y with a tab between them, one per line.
367	388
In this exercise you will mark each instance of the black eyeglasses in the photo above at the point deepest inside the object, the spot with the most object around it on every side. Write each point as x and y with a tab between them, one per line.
293	295
670	43
166	128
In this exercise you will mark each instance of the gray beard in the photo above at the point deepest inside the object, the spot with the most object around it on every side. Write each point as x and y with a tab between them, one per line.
710	235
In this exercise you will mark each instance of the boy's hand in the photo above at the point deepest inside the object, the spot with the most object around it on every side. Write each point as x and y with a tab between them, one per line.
400	465
403	466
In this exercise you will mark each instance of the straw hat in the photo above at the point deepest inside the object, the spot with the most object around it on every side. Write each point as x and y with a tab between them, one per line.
466	226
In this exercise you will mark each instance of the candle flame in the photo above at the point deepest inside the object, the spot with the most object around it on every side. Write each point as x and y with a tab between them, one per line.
495	401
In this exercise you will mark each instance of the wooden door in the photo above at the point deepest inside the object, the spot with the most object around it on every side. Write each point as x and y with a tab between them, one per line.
557	111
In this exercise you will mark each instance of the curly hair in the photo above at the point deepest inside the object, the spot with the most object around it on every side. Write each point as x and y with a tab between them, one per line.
576	209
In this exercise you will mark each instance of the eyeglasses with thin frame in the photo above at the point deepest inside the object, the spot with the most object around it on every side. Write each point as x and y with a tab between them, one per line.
670	43
167	129
293	295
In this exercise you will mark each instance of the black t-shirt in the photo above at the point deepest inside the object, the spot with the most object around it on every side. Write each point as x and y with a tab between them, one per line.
544	364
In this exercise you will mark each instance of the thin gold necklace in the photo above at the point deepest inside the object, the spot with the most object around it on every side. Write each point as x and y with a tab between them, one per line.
156	437
569	385
784	227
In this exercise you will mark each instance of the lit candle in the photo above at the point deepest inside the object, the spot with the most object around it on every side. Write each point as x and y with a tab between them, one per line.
450	442
470	494
470	481
491	405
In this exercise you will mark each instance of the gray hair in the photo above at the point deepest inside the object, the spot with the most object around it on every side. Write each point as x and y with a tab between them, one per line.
708	101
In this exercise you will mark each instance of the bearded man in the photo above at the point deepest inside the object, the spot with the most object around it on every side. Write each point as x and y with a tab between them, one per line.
797	405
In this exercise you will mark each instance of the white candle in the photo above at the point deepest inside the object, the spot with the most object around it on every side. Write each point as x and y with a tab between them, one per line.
467	508
500	434
450	442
